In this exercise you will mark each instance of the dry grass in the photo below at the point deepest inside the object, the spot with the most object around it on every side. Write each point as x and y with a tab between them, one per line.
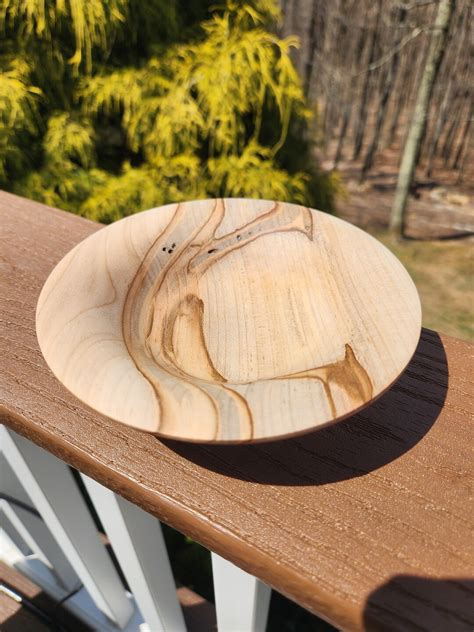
443	273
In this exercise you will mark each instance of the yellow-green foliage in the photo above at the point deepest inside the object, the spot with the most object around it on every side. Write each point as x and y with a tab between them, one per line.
68	140
18	113
204	90
146	186
122	130
254	173
92	23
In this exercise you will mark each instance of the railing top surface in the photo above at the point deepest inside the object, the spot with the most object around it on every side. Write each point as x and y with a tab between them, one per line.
366	522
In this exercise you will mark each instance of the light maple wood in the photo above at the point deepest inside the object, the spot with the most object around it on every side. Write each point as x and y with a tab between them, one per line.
365	523
228	320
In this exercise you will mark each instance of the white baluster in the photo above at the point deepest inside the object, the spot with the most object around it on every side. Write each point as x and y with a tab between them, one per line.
54	492
32	528
139	546
242	600
9	533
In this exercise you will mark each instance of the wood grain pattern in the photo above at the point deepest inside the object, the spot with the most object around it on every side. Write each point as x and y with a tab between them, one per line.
357	522
228	320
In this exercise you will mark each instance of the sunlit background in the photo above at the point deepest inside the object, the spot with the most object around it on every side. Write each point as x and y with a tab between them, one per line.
361	108
109	108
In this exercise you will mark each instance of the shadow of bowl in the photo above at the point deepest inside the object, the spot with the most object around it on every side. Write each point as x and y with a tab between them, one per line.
360	444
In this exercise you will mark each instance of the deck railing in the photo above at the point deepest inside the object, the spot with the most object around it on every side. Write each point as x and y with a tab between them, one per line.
365	523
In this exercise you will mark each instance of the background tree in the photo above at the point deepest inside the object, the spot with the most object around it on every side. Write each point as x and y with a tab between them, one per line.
107	108
418	123
362	64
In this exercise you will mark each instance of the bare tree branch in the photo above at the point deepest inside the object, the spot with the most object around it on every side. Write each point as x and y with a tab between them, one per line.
385	58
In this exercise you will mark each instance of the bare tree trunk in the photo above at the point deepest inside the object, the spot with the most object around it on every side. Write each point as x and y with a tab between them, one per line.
408	80
464	138
402	88
460	177
397	110
312	46
362	114
347	110
342	133
418	123
335	30
456	113
328	114
446	79
384	97
440	123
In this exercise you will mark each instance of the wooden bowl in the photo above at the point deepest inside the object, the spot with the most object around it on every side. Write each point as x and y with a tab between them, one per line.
228	320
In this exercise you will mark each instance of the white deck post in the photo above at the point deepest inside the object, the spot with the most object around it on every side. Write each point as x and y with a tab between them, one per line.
242	600
139	546
9	530
32	528
54	492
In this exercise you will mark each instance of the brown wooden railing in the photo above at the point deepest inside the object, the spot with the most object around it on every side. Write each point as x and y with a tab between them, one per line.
365	523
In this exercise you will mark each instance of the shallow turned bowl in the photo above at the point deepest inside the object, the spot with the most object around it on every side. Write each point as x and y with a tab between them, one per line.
228	320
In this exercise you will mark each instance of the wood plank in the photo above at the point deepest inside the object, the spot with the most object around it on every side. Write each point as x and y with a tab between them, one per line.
356	522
